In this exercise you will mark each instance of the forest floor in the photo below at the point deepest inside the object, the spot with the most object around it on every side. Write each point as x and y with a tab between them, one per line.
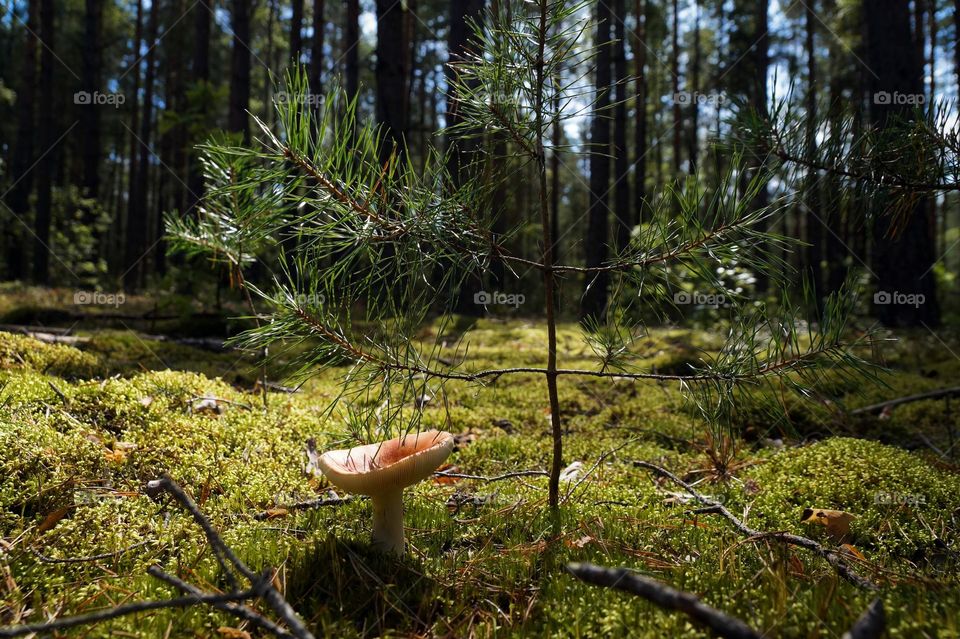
84	427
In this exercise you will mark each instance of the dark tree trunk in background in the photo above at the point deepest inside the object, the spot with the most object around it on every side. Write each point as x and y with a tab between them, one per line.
240	64
640	109
594	301
201	75
759	103
675	76
956	40
132	181
138	220
463	152
903	252
21	164
814	211
316	51
352	44
693	143
48	137
296	27
392	74
90	114
621	174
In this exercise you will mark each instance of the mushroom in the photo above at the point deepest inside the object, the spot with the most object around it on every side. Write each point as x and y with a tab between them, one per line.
382	471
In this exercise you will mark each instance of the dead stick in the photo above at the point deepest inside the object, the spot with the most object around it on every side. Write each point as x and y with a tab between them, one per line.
236	609
270	594
121	611
665	597
943	392
519	473
830	556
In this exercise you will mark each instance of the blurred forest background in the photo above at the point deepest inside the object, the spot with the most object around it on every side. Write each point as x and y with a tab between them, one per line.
102	103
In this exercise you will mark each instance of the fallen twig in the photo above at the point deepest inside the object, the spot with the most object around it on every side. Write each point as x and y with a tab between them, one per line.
76	560
665	597
943	392
832	557
306	505
870	625
235	609
122	611
224	554
519	473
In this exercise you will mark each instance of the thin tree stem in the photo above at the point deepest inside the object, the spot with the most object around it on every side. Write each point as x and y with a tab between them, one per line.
548	277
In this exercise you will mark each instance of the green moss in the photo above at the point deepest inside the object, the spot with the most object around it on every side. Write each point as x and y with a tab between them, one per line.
493	568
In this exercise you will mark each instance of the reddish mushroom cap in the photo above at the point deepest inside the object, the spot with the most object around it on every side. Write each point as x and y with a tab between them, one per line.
388	466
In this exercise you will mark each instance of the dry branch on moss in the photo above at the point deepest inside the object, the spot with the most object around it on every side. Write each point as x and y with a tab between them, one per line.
870	625
832	557
260	587
665	597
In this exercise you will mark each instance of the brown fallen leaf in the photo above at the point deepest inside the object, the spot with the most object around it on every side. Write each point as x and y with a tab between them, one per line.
233	633
447	480
117	456
847	548
578	543
53	519
837	522
275	513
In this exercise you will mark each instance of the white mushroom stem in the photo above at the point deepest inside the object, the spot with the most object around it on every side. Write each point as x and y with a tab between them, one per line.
388	521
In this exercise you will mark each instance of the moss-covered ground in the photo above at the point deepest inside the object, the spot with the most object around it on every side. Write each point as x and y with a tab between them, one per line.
82	431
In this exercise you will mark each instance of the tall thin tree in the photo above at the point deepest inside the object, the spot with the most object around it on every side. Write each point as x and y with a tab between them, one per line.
48	138
240	67
594	301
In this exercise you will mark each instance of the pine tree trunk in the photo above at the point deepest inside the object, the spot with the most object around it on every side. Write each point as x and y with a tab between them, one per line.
640	109
138	219
296	27
677	101
21	164
352	43
201	75
594	301
462	152
813	209
316	51
903	253
621	177
90	114
693	143
238	120
392	75
759	103
48	138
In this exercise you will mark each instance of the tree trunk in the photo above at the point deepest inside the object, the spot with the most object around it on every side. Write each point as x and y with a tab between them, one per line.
621	154
48	138
138	219
90	114
640	110
201	75
759	104
594	301
316	51
814	212
677	99
392	75
296	26
693	143
238	119
21	163
352	43
462	152
903	252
